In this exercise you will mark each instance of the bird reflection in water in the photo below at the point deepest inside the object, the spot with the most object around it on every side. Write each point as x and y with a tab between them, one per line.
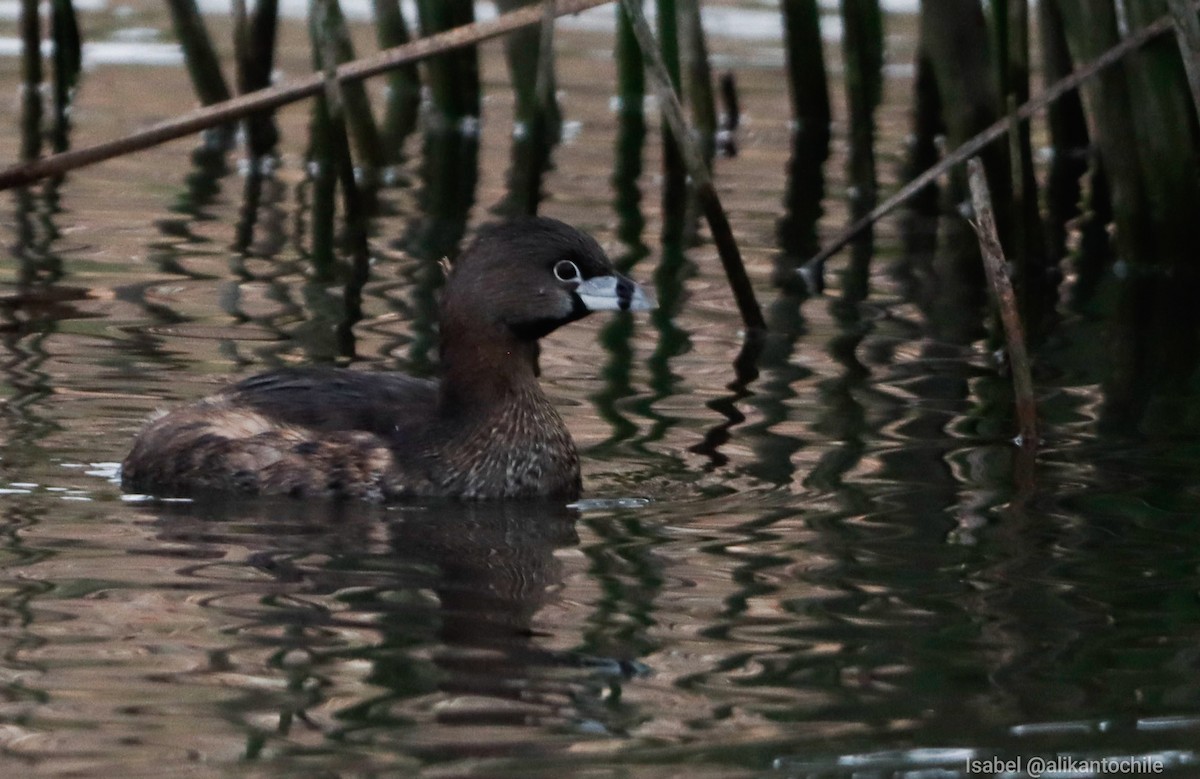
395	627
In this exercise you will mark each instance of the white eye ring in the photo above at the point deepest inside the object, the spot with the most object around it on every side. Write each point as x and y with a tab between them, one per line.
565	270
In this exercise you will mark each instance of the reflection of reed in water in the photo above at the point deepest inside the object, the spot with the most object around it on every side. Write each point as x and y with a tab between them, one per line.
392	627
28	316
615	335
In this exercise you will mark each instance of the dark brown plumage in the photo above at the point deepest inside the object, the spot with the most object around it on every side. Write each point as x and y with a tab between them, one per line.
486	430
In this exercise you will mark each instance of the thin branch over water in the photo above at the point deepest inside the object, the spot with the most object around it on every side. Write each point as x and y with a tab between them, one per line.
274	97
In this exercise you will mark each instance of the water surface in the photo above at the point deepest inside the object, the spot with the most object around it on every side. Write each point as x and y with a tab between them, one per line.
821	557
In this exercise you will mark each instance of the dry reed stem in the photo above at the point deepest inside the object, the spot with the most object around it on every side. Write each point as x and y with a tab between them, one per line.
265	99
997	273
693	159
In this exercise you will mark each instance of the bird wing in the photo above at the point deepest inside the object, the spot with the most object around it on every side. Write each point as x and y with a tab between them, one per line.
338	399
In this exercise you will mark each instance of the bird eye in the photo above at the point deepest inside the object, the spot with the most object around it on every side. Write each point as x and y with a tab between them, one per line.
565	270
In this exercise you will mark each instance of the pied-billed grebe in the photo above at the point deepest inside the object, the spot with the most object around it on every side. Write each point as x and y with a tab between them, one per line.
485	430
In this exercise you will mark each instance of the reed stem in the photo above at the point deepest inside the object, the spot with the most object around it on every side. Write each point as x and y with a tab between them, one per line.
996	130
672	112
31	80
254	47
453	77
1187	31
1006	300
68	62
403	103
198	53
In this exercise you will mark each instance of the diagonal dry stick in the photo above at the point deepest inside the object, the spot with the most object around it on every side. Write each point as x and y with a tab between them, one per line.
996	268
274	97
697	168
813	268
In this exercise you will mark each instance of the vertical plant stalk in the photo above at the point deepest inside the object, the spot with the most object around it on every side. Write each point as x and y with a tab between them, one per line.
254	48
1187	31
807	82
631	67
530	57
1034	276
1068	135
546	84
403	103
198	53
322	174
537	121
68	62
863	46
698	86
674	197
453	77
335	41
994	131
809	92
631	138
1006	300
31	80
672	111
327	25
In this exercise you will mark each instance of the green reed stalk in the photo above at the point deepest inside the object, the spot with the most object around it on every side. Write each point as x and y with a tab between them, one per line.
322	177
631	68
674	191
532	76
68	63
198	52
862	44
538	121
1187	32
631	138
1035	283
710	201
334	40
254	47
809	93
1168	141
807	80
403	104
31	80
453	77
698	86
1068	134
326	26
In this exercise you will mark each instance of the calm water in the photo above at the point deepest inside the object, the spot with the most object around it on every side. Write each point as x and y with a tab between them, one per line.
823	559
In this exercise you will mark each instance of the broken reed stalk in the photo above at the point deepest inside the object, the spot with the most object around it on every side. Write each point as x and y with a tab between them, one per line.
693	159
274	97
1136	40
1187	31
997	273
